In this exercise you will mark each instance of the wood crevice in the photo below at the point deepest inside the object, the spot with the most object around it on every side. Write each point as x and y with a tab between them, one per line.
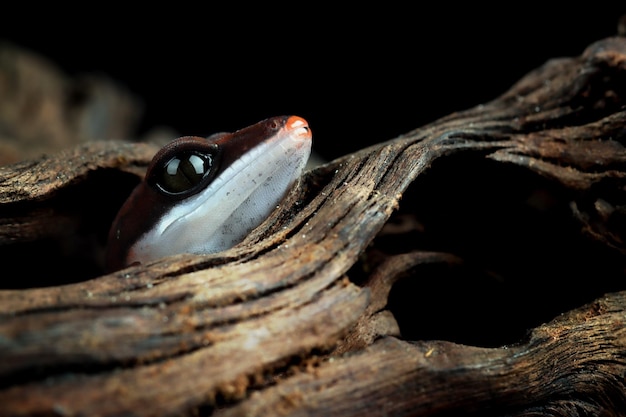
472	266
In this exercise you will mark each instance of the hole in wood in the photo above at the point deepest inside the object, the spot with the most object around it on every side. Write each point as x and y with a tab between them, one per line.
521	248
72	248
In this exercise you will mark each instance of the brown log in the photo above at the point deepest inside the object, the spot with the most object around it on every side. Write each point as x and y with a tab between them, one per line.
474	265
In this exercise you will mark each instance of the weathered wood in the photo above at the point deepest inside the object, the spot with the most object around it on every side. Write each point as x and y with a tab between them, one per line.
320	311
556	371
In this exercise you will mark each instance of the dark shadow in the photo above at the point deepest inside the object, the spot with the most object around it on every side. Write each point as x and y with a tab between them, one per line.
74	250
525	259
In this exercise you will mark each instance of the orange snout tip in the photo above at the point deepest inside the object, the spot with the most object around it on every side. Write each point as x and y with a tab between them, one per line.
298	124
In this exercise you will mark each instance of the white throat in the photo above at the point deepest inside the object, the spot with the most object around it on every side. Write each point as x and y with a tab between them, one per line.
236	202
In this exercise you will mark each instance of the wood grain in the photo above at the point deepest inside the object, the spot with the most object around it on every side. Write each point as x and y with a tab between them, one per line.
471	266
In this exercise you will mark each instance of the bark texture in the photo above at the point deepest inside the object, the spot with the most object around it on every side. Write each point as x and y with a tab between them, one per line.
472	266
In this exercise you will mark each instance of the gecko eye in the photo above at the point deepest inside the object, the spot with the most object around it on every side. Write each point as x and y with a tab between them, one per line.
184	172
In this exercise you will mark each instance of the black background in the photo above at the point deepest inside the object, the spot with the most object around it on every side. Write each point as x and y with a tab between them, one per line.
359	74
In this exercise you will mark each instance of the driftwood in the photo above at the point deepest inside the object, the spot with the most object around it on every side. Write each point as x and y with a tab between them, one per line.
472	266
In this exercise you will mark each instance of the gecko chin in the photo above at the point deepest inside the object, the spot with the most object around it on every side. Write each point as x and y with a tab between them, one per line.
253	169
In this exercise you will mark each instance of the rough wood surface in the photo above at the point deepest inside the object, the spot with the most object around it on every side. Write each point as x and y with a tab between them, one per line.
472	266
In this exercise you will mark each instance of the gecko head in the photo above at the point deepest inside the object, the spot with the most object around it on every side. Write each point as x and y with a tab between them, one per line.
204	195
